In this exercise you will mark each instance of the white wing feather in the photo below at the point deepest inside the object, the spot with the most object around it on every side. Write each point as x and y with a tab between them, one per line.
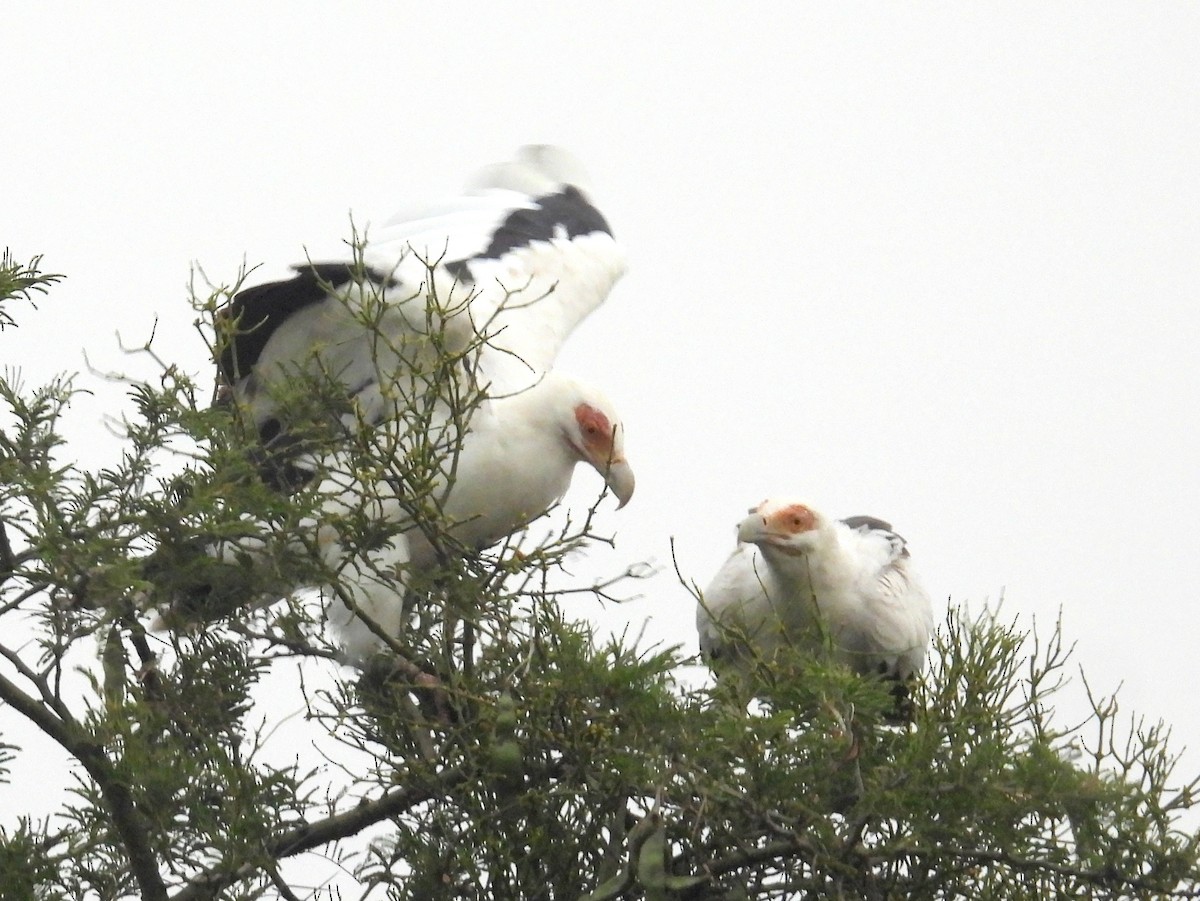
519	268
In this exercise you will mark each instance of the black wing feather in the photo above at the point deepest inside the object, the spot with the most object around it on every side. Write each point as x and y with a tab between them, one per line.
874	524
253	315
567	212
870	522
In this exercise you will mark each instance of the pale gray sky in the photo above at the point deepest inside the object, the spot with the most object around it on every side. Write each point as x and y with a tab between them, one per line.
936	263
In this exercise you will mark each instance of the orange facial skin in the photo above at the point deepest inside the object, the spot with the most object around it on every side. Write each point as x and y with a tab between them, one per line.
791	520
601	448
597	431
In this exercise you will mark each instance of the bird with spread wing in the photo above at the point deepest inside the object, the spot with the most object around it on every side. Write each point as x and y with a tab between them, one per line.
447	323
799	578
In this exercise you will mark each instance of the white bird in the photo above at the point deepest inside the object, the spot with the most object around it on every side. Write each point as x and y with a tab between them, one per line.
493	281
797	575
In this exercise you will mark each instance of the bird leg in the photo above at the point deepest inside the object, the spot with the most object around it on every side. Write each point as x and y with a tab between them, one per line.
429	689
848	727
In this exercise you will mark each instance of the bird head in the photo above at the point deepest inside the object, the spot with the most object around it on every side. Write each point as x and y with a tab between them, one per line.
598	437
784	526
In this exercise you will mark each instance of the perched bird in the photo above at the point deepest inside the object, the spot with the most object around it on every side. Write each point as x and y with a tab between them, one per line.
441	331
797	575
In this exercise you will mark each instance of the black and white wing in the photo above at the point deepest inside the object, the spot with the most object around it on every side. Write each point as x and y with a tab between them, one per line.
517	262
534	253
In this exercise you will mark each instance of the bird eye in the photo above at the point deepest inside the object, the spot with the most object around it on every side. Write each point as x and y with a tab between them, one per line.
593	425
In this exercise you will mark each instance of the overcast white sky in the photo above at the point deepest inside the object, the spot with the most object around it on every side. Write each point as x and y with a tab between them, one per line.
936	263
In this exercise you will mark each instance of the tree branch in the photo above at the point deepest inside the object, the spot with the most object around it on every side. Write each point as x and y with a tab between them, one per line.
1109	876
51	701
33	711
800	848
8	561
126	818
308	836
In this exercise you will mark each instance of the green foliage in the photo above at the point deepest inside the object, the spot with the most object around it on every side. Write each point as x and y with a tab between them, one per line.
20	280
497	749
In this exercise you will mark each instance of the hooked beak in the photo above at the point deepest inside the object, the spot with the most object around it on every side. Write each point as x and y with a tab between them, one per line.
753	529
597	441
783	528
618	476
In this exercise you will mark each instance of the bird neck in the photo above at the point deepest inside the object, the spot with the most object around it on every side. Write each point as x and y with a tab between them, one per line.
822	563
543	407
